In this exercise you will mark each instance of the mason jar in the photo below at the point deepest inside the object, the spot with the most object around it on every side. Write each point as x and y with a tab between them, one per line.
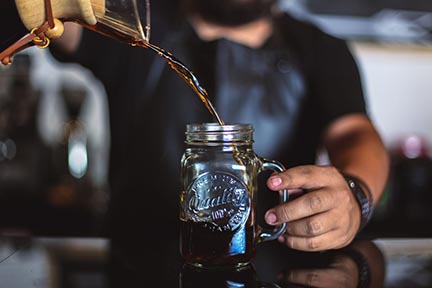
219	175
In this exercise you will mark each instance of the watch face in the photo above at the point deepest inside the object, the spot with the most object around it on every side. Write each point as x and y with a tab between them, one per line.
218	200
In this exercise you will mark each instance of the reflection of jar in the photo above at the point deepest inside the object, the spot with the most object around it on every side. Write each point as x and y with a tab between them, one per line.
191	277
219	172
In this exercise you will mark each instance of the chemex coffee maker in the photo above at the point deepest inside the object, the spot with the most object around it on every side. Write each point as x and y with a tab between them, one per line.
37	22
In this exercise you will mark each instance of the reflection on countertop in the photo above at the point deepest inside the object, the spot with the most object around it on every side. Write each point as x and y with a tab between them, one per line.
97	262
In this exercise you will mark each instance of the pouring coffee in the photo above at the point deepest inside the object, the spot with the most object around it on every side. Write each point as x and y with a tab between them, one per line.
44	20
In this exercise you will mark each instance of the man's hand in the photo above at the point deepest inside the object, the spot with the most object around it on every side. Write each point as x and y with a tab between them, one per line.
32	12
326	216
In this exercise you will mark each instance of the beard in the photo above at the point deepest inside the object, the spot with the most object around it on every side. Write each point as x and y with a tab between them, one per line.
229	12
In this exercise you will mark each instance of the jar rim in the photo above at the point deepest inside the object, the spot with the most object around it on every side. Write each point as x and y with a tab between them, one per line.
216	133
216	127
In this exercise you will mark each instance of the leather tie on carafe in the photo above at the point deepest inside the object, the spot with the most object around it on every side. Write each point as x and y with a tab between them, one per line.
37	36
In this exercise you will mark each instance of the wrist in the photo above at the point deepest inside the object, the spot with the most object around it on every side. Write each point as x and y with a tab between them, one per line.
363	197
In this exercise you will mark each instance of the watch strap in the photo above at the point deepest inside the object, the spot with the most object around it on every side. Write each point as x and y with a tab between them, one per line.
363	196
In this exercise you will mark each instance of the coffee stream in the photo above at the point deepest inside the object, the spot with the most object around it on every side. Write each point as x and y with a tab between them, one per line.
116	29
188	76
191	79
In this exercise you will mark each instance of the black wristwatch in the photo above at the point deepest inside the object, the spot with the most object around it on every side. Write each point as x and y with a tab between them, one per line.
363	196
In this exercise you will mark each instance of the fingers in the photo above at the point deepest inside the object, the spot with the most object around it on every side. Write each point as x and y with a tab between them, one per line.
331	240
319	232
317	221
303	177
311	203
311	278
341	271
308	277
320	278
313	226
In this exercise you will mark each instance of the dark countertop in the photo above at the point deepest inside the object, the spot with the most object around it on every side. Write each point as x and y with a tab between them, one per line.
97	262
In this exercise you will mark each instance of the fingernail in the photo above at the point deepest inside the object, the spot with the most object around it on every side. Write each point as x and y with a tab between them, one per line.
281	239
275	181
271	218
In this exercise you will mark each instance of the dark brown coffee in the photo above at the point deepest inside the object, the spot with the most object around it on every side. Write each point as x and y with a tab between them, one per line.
204	246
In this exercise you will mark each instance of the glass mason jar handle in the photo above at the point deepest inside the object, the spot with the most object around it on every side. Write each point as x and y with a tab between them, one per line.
265	234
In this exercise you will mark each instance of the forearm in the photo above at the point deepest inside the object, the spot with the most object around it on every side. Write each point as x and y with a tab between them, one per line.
355	147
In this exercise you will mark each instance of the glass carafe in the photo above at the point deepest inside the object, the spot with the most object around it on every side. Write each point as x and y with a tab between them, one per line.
124	20
127	20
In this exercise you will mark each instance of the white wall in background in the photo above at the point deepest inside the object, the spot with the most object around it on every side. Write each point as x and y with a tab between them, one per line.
398	84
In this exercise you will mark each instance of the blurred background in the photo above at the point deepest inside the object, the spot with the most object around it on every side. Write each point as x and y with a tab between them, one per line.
54	143
54	129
